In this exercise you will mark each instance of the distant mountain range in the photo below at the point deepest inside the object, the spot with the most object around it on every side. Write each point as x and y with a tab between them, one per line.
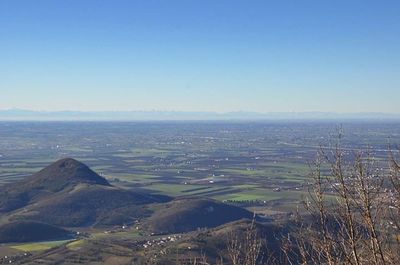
29	115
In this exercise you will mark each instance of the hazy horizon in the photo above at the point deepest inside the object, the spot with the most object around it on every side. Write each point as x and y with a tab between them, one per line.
29	115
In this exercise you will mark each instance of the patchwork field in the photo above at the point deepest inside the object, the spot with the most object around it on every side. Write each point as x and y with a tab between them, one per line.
259	161
262	167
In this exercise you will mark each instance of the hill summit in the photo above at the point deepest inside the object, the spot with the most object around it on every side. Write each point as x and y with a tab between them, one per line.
62	175
63	172
68	193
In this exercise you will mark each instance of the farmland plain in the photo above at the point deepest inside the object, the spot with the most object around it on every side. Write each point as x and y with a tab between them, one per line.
261	166
229	161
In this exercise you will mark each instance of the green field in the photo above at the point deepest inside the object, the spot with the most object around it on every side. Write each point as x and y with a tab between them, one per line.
39	246
172	189
262	195
76	244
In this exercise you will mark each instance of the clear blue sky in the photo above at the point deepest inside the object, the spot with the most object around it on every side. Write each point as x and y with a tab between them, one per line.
200	55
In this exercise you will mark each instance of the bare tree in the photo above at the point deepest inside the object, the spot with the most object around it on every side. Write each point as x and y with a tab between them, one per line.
350	216
353	208
246	249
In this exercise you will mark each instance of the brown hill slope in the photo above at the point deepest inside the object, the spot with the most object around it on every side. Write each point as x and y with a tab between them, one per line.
26	231
68	193
61	175
190	214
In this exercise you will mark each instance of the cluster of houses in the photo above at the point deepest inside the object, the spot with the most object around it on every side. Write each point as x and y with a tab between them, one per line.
119	229
14	258
161	241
